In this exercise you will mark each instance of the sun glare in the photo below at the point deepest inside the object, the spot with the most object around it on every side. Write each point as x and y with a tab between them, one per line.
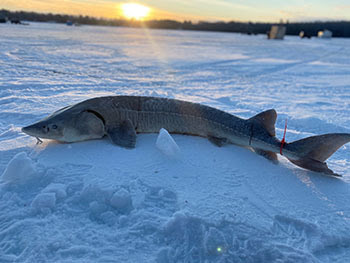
135	11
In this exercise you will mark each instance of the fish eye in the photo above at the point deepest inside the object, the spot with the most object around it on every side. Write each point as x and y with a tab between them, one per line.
54	126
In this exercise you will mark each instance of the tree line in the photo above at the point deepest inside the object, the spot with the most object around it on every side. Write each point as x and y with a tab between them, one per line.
339	28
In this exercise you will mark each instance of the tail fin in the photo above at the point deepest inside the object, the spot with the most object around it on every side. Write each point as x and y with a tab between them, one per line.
315	150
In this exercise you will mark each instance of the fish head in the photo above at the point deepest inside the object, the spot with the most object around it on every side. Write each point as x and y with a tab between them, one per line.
46	129
68	125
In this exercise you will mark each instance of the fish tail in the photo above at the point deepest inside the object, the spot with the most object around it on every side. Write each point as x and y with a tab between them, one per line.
315	150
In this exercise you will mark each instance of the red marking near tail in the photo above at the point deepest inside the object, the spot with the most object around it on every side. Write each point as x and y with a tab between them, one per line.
284	138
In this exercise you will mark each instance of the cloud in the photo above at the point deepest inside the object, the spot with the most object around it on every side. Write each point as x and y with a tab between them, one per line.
223	3
312	13
294	11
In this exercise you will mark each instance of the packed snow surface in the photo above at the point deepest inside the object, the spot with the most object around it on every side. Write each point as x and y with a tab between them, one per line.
96	202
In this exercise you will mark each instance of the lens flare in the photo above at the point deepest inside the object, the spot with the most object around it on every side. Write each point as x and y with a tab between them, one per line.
135	11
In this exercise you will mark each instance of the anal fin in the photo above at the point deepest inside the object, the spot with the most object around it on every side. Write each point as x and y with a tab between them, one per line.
123	134
271	156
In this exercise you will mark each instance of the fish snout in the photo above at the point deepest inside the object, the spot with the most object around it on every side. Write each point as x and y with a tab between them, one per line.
30	130
25	129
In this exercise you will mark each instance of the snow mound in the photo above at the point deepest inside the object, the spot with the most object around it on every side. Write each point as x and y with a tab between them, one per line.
109	218
19	170
167	145
121	200
44	202
196	239
97	209
58	189
105	205
214	242
94	193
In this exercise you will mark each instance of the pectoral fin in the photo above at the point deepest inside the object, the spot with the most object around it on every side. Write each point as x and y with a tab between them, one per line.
217	141
123	134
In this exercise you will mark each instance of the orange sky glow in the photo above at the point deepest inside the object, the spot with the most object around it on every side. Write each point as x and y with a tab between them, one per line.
195	10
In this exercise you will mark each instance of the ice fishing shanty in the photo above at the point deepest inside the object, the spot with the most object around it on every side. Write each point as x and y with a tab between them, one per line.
277	32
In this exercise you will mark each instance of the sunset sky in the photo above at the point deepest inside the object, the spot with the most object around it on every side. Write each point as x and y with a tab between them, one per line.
209	10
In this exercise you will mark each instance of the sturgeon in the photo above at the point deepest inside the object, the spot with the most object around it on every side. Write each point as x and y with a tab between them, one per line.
122	117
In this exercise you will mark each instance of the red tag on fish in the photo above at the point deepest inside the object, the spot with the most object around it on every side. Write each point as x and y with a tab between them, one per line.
284	138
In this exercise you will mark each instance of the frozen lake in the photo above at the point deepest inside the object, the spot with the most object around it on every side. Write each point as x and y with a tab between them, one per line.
95	202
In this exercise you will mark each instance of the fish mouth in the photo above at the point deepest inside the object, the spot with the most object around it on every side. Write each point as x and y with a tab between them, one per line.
28	130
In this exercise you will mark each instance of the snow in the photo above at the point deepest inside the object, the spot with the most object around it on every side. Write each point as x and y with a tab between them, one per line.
95	202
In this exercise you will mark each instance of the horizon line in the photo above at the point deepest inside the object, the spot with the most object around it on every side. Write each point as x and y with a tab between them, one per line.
287	21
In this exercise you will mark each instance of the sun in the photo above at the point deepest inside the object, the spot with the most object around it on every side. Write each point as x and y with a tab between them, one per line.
135	11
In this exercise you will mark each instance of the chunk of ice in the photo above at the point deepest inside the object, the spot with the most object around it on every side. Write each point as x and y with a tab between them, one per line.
58	189
19	170
166	144
121	200
44	201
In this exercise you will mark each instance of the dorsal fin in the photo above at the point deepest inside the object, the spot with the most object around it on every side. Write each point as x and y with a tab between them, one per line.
267	119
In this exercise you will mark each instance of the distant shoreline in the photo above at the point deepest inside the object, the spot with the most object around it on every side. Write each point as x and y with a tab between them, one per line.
339	28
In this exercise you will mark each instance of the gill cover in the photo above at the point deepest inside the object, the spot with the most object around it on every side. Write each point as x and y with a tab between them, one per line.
84	126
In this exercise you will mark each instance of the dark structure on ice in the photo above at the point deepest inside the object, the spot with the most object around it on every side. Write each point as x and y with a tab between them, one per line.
277	32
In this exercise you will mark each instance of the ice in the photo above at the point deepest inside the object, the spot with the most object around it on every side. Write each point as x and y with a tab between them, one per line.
167	145
94	193
121	200
164	255
96	202
58	189
214	242
19	170
44	201
109	218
